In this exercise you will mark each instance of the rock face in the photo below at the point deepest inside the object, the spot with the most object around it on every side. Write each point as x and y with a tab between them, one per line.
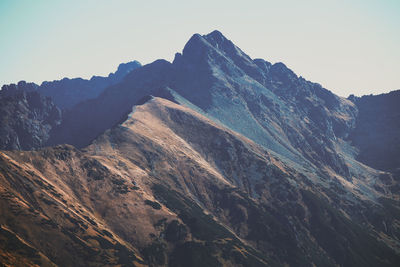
215	159
26	118
377	130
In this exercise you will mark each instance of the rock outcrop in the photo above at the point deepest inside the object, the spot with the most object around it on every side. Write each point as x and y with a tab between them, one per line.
26	118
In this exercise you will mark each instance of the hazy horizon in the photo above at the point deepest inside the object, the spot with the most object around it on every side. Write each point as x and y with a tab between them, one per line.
347	48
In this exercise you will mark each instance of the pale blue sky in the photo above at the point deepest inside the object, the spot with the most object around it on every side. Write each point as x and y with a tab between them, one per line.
347	46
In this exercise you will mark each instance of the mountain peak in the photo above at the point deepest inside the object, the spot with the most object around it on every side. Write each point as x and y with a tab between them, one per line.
195	48
218	40
216	35
214	43
212	40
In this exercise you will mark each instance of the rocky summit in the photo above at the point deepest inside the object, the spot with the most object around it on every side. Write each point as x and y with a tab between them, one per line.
214	159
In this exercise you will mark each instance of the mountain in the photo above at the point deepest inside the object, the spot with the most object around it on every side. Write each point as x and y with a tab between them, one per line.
30	112
67	92
269	104
215	159
90	118
170	186
26	118
377	130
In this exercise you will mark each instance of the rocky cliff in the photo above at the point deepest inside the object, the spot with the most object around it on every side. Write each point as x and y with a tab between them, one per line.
26	118
377	130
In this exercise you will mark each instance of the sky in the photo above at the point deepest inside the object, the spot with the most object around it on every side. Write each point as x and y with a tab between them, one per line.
349	47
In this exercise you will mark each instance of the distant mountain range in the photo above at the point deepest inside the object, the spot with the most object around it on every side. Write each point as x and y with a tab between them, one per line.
67	92
215	159
30	112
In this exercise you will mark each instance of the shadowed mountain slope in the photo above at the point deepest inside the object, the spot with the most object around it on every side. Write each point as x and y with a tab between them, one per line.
91	118
377	131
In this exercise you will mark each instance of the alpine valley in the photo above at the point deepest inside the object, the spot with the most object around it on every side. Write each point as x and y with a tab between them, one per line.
215	159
